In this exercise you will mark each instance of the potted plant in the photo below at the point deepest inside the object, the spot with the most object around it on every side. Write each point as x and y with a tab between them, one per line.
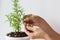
15	20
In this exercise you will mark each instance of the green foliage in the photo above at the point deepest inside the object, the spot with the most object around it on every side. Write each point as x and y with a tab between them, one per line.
15	17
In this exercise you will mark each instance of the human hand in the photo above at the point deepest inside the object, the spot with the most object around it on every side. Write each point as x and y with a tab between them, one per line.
33	20
45	29
34	32
37	21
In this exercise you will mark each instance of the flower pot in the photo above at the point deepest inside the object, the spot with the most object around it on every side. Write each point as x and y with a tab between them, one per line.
16	37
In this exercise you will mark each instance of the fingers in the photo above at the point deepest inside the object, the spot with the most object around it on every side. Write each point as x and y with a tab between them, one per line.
28	21
30	31
30	28
27	32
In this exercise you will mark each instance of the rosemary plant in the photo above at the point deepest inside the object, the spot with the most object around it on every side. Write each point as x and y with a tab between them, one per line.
15	17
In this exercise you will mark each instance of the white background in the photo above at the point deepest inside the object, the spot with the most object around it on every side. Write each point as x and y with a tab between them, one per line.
47	9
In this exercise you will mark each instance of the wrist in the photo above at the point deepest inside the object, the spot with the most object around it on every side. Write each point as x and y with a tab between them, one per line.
47	37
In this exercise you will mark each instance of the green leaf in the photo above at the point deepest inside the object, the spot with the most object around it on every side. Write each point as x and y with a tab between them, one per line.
15	17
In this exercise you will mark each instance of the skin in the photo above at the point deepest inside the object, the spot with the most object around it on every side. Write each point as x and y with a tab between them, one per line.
44	30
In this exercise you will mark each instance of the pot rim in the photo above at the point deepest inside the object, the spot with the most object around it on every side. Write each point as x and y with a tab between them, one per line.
17	37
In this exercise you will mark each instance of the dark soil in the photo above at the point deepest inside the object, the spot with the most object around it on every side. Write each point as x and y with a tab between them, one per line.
17	34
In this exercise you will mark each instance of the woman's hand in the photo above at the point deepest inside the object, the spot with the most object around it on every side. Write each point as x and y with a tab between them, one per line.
33	20
34	32
44	30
